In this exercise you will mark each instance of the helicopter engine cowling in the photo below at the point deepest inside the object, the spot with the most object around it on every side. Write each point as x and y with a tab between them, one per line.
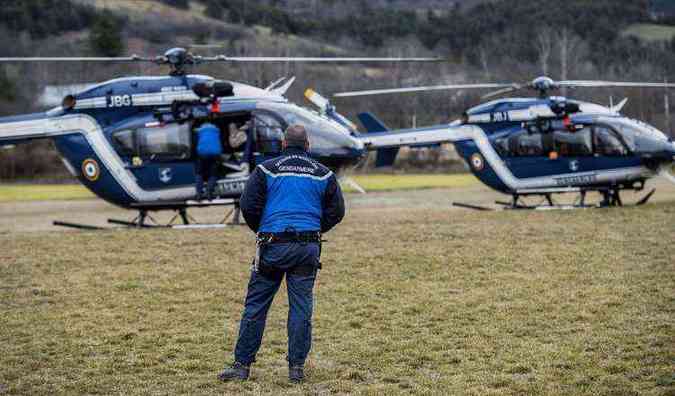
213	88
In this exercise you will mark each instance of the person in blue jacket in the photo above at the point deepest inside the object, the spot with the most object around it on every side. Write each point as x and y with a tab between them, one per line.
289	201
209	151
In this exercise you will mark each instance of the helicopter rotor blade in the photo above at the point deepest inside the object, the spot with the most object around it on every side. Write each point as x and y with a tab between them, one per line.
420	89
191	59
271	59
504	91
133	58
612	84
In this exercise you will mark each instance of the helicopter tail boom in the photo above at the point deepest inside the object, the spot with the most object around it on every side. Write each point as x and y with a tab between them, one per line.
386	156
386	141
22	129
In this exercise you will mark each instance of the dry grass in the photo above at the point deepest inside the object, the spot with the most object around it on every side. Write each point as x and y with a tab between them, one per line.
372	182
410	301
377	182
43	192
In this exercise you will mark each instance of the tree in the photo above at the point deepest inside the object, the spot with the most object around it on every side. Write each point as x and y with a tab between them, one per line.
105	38
544	47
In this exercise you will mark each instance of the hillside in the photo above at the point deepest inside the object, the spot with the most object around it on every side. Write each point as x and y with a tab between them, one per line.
156	22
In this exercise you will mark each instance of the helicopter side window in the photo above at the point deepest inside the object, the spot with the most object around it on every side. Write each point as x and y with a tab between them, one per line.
268	133
169	142
525	144
520	144
125	143
573	144
607	143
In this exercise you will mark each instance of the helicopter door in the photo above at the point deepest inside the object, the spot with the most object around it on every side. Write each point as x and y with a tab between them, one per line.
570	151
522	151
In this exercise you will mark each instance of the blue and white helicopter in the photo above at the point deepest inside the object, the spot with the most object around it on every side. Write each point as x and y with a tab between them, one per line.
540	146
130	140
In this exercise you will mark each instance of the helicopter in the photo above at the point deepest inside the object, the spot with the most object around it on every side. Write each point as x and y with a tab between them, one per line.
129	140
539	146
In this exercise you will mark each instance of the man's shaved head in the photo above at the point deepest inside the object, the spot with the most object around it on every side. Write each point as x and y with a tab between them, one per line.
296	136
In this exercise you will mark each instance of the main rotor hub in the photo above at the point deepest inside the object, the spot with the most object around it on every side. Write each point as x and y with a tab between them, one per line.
543	85
177	58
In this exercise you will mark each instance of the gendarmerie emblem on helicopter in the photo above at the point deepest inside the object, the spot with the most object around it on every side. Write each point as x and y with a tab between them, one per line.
477	162
165	175
90	169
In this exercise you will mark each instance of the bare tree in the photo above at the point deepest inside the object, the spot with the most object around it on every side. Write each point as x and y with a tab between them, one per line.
544	44
568	44
484	62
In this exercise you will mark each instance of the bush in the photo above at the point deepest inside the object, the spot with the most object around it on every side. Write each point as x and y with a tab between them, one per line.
106	38
42	18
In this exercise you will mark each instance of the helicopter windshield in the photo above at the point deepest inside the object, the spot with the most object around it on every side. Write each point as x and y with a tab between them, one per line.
635	133
326	137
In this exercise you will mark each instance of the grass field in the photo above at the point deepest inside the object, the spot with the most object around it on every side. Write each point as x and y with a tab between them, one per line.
375	182
651	32
43	192
423	301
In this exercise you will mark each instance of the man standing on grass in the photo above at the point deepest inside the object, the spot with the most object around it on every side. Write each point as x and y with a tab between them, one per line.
289	202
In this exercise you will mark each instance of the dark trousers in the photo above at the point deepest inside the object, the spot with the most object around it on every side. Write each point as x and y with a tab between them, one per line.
207	169
298	262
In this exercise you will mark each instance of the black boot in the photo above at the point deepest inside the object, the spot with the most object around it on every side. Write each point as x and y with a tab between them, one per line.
237	371
296	374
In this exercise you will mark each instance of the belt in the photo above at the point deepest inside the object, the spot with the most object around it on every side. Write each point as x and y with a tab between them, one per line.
288	237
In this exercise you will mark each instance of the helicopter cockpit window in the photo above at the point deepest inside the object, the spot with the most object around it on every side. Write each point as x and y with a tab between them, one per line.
608	143
326	137
573	144
268	133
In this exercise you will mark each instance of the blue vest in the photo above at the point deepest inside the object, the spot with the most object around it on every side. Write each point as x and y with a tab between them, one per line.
295	190
292	192
208	143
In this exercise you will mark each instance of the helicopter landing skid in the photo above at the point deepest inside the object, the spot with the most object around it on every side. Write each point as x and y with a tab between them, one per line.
139	221
611	198
181	220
